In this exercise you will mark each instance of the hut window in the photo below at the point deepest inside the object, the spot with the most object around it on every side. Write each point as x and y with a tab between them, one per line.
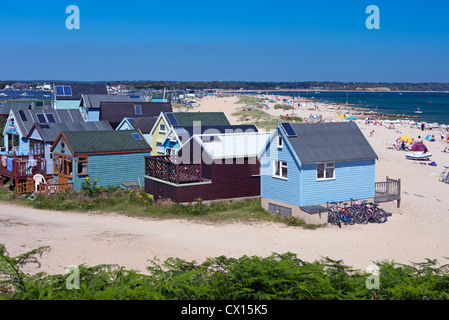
280	169
280	142
325	171
162	127
82	165
62	146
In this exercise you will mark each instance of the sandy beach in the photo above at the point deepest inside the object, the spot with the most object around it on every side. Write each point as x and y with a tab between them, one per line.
415	231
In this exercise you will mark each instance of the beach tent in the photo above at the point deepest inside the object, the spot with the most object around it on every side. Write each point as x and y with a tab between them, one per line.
351	118
429	137
418	146
406	139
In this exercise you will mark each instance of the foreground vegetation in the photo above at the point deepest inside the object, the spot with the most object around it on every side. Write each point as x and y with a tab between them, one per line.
279	276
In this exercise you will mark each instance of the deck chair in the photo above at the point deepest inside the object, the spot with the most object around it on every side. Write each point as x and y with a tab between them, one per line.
38	179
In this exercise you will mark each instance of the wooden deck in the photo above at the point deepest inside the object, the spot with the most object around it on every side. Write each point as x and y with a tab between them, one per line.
161	167
389	190
20	168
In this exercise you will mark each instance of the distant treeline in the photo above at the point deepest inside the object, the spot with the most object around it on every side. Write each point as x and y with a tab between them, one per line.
304	85
293	85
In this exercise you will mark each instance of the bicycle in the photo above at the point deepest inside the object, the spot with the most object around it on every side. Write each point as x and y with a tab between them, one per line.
444	176
338	214
369	212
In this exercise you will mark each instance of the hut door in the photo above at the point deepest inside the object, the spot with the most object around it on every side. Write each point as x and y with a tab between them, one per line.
64	169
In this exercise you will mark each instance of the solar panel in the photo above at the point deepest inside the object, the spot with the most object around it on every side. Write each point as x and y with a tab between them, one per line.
22	115
288	129
131	120
51	118
134	97
67	90
136	136
172	119
41	118
59	90
138	109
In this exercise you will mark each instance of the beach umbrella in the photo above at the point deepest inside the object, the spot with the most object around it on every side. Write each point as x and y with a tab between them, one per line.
429	137
406	139
418	146
351	118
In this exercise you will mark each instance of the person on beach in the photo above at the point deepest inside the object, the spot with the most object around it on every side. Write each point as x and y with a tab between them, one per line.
423	126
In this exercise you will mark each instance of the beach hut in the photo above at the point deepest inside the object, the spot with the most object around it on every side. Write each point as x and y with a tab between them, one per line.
169	120
115	111
111	157
178	136
68	96
310	164
208	166
90	104
42	136
143	124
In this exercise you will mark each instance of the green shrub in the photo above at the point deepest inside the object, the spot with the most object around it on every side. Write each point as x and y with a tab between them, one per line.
276	277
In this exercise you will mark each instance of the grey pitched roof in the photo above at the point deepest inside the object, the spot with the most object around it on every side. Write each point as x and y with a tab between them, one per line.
25	119
50	131
7	106
94	100
115	112
79	88
186	119
144	124
329	142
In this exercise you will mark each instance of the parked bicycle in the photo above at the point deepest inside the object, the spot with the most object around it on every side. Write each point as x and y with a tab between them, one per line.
338	214
368	212
444	176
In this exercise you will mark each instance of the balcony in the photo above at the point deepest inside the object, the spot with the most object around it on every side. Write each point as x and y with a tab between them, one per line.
161	167
21	167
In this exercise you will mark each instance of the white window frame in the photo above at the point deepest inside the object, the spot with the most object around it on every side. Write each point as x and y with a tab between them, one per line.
326	166
280	142
160	127
283	165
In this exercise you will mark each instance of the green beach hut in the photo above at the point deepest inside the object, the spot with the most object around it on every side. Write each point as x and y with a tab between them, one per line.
110	157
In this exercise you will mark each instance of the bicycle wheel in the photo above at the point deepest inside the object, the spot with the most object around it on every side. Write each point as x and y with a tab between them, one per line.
361	217
381	215
350	215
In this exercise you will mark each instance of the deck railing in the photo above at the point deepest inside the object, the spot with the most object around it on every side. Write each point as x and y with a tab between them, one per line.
163	168
29	187
52	188
21	166
388	190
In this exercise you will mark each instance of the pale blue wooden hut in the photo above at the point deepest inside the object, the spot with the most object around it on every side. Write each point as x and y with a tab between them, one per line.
310	164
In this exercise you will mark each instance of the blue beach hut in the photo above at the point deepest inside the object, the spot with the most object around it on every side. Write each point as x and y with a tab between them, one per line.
311	164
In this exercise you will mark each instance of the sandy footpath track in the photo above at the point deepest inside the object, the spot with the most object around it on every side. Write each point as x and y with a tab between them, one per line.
92	239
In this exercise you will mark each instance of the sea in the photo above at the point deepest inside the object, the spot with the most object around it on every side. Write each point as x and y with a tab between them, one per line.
28	94
433	105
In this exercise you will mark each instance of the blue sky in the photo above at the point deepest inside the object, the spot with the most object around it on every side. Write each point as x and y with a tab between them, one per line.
225	41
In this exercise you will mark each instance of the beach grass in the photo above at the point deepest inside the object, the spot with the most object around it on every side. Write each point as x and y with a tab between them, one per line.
120	201
251	114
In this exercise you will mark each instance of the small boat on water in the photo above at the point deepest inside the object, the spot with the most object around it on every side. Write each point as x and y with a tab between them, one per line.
418	156
418	111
